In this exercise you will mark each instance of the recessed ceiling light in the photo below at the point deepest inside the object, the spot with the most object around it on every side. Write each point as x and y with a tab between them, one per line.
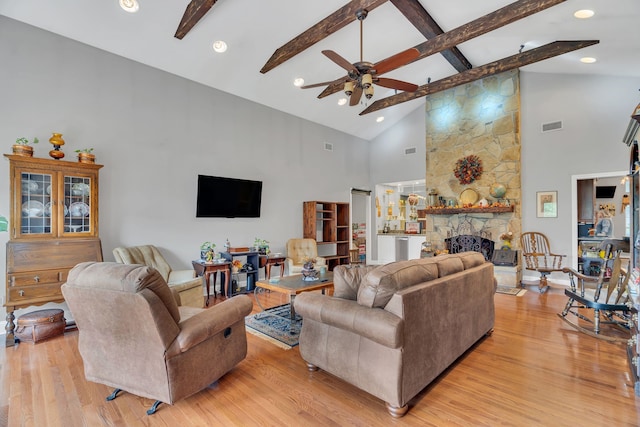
219	46
130	6
588	60
379	119
298	82
342	101
584	14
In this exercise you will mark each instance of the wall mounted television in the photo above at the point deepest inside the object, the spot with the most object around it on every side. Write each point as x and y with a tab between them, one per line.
220	197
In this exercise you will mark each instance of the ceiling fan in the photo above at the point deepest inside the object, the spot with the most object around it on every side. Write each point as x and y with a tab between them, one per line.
362	75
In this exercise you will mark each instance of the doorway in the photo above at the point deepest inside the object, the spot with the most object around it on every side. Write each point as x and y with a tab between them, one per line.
360	214
607	190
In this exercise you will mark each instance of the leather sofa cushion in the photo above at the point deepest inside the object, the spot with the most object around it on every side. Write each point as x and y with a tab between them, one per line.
130	278
379	285
347	280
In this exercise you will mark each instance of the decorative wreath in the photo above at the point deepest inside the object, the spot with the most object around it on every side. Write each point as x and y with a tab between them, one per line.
468	169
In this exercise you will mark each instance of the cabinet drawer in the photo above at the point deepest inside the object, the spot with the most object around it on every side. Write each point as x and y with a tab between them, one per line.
36	278
20	294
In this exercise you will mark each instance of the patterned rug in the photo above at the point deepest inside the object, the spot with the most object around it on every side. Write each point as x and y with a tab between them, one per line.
274	325
518	292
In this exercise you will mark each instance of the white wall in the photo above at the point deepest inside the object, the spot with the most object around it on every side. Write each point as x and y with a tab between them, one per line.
154	133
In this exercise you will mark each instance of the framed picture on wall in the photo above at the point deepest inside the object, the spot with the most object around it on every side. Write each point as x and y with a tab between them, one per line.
547	204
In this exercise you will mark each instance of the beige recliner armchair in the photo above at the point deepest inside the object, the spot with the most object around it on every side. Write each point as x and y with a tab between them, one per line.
133	335
298	250
185	282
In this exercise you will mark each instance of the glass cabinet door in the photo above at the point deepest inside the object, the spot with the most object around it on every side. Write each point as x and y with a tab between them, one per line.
36	203
77	204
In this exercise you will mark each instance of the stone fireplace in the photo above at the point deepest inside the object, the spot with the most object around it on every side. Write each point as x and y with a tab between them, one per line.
481	118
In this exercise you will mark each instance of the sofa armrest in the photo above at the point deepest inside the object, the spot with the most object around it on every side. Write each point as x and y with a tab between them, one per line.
212	321
375	324
177	276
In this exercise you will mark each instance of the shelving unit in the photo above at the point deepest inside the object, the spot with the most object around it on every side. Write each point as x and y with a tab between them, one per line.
328	224
450	211
252	258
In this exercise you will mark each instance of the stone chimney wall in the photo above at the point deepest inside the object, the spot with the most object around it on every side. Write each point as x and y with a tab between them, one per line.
480	118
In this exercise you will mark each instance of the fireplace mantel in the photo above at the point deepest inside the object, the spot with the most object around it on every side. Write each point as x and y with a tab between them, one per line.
453	211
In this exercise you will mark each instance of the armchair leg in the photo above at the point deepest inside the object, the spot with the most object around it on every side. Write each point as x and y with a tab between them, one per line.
311	367
397	412
153	408
114	394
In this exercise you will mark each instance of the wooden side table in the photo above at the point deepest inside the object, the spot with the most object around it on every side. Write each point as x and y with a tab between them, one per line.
269	261
205	269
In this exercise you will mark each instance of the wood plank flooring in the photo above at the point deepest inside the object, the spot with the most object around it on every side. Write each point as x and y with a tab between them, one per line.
534	370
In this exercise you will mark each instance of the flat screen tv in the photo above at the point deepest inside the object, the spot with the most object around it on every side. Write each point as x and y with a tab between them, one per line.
220	197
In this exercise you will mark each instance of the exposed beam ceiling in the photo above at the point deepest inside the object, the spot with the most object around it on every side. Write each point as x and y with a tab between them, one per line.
194	13
515	61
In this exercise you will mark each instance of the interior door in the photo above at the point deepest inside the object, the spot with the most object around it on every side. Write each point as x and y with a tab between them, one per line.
361	233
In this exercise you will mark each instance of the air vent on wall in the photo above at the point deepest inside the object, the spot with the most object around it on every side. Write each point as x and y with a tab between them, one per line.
410	150
328	146
548	127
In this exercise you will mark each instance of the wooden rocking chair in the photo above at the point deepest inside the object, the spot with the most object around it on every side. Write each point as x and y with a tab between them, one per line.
538	257
606	295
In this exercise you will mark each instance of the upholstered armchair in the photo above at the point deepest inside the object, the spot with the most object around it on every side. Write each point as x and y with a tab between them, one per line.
133	336
298	250
185	282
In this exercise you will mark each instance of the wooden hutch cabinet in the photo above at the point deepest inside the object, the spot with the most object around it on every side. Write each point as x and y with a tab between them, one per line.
328	224
53	226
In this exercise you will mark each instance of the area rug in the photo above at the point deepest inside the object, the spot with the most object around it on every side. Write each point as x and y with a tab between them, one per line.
274	325
508	290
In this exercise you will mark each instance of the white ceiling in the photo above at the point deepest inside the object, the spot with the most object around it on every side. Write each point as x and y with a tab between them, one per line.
254	29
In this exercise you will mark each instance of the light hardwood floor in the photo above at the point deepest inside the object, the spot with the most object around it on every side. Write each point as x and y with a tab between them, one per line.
534	370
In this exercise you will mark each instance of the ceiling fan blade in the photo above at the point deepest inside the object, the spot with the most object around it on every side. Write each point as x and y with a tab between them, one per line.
396	84
334	87
355	96
396	61
320	84
340	61
505	64
319	31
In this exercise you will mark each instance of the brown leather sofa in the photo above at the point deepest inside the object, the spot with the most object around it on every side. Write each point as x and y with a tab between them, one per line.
390	330
133	335
185	282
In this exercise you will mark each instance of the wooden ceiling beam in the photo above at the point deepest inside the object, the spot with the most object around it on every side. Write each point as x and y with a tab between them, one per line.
319	31
196	9
492	21
429	28
515	61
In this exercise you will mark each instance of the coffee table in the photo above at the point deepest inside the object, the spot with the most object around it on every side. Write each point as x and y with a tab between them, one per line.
292	286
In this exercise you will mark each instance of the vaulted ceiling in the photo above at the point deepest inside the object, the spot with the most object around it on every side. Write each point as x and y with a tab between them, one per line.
273	42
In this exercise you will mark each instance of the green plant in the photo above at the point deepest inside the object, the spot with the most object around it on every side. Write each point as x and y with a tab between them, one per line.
25	141
260	243
207	245
85	150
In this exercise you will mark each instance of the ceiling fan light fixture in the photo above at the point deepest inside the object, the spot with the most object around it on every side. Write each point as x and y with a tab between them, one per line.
219	46
368	92
366	81
348	88
130	6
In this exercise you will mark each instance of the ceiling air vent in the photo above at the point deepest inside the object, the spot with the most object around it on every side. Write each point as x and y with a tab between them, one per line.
410	150
328	146
548	127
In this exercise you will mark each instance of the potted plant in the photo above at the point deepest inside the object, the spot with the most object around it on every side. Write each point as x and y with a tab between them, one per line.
206	251
261	245
86	155
22	147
